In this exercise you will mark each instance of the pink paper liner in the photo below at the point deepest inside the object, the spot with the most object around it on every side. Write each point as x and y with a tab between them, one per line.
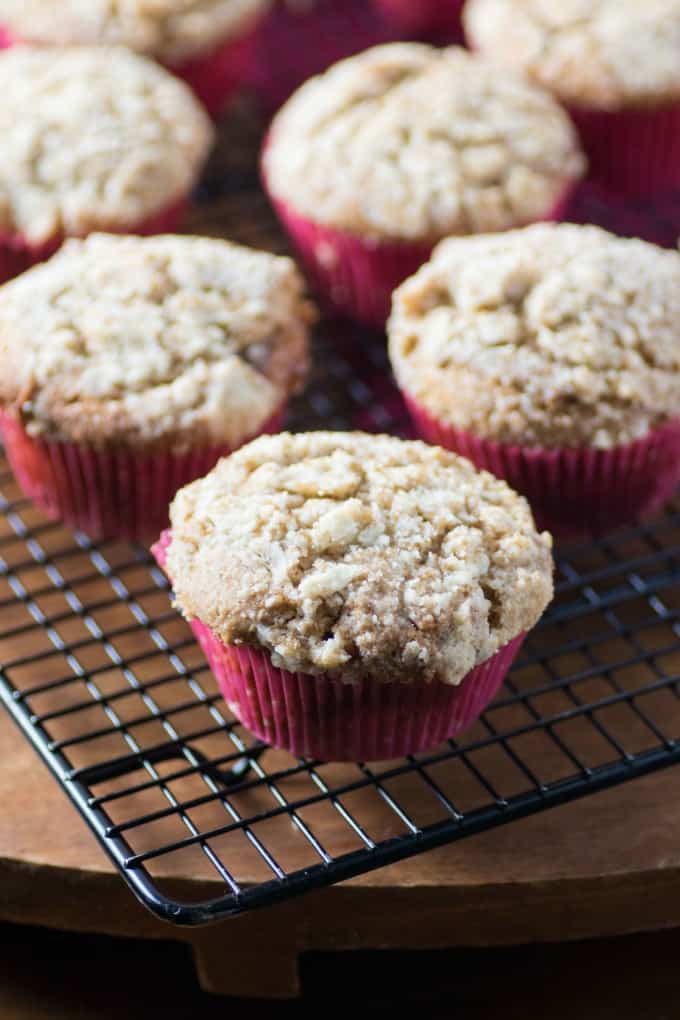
214	77
355	277
573	492
17	254
105	491
633	152
322	717
351	276
422	17
298	41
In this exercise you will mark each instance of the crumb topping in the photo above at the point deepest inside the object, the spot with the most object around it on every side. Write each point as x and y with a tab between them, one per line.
93	140
153	340
409	142
553	335
172	30
609	54
359	555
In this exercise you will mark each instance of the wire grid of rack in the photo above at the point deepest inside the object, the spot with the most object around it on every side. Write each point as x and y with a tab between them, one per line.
106	681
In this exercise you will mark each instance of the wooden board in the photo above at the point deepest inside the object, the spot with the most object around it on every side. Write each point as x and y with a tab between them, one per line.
607	865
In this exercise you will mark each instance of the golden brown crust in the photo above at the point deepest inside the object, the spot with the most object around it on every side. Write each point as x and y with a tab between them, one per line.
607	55
162	341
409	142
555	335
170	30
93	140
358	555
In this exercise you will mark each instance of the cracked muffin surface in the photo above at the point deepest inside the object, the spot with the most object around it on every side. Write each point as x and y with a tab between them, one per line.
410	142
605	55
359	556
170	340
93	139
171	30
555	335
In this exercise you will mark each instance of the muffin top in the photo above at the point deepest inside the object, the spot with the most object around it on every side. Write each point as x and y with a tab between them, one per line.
358	555
606	55
161	341
409	142
171	30
92	139
555	335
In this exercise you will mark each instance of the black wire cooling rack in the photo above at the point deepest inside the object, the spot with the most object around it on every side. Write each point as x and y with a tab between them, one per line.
107	683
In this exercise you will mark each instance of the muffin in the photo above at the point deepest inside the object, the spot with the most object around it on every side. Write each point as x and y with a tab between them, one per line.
358	597
615	64
129	366
372	163
550	356
423	17
208	43
92	140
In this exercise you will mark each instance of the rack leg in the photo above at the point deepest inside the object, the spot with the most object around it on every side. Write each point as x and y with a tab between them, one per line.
224	967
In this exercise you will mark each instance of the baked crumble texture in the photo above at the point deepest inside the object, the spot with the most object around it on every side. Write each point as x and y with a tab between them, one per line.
409	142
604	55
171	30
93	139
555	335
164	342
359	556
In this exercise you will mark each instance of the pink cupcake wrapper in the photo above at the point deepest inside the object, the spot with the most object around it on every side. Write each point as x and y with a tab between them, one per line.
17	254
215	77
423	16
351	276
356	277
632	152
105	491
573	492
300	40
322	717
